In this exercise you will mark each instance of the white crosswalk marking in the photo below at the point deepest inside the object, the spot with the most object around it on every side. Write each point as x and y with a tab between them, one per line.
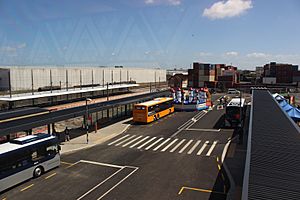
118	139
211	148
125	140
128	143
194	147
182	141
154	143
202	148
185	146
145	138
146	143
164	142
164	149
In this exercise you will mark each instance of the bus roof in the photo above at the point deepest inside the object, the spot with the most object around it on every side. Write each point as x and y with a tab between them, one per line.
20	142
155	101
236	102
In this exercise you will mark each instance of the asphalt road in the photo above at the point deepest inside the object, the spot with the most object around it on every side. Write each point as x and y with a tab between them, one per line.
177	157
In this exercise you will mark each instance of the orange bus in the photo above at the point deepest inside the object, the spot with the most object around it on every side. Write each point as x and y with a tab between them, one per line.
150	111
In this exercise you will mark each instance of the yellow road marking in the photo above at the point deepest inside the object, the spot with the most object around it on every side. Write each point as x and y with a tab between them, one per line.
67	163
24	116
181	190
50	175
219	166
25	188
199	190
217	158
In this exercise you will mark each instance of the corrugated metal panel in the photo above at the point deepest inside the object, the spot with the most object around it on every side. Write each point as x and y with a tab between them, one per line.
275	151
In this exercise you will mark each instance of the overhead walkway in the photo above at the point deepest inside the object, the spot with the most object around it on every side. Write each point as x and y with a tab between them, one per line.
54	97
273	154
112	109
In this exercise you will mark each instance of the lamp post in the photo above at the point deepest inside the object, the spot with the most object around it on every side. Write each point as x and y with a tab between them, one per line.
86	118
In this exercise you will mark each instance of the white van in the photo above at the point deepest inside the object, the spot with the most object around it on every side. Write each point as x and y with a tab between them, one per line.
233	91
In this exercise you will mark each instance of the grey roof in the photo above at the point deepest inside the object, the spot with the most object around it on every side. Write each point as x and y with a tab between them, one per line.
21	124
273	155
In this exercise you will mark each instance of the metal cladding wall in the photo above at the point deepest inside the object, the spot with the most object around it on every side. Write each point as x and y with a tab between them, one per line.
273	149
26	78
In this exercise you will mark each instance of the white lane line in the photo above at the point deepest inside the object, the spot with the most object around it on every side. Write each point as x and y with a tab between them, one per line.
201	129
98	163
146	142
202	148
125	140
176	133
200	116
91	190
196	119
194	147
185	146
211	148
117	184
145	138
182	141
118	139
164	149
184	124
225	151
189	121
128	143
154	143
164	142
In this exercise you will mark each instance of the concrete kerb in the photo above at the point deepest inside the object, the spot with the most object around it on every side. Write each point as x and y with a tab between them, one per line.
99	141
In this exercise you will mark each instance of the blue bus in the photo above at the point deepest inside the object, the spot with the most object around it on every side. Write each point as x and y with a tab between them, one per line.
27	157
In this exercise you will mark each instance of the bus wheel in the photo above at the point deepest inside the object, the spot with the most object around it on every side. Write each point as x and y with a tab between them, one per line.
37	172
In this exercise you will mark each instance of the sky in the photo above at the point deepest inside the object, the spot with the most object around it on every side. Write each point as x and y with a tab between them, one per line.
149	33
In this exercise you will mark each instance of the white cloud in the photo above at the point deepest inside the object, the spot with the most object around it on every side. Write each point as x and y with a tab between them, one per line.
257	55
227	9
12	50
232	53
203	54
149	1
169	2
21	46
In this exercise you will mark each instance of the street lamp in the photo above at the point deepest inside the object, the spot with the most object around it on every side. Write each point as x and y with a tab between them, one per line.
86	118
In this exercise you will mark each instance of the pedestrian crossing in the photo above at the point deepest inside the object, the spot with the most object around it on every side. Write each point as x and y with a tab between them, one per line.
171	145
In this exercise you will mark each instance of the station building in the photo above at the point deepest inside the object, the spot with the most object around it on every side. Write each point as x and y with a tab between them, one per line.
46	86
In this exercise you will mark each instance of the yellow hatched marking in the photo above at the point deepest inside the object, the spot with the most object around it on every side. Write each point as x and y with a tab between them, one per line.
199	190
70	164
25	188
50	175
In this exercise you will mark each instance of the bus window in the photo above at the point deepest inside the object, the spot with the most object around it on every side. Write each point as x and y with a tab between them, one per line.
140	107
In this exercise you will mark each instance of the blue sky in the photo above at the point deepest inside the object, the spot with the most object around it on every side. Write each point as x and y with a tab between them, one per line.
149	33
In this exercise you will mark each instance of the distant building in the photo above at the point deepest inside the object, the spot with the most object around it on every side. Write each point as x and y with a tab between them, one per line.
202	74
278	72
212	75
35	78
259	71
178	80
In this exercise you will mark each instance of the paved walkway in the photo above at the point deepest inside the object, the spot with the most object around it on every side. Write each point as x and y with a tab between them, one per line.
102	135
